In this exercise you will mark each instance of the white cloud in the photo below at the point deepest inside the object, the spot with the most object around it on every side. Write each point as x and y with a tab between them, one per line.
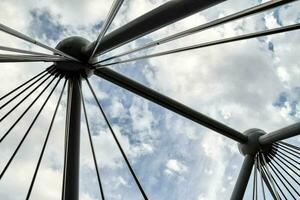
236	83
174	166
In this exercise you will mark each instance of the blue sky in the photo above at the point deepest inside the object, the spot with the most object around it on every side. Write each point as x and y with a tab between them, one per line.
248	84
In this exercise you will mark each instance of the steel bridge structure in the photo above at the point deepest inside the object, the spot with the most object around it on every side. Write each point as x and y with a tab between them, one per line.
275	164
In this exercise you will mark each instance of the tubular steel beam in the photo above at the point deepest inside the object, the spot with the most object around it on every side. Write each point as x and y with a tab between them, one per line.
160	17
239	15
71	184
243	178
281	134
169	103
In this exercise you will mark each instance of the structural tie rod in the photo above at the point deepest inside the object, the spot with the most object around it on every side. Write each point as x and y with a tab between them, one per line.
245	13
24	37
22	115
155	19
208	44
45	143
22	100
23	84
24	90
16	50
92	146
112	13
118	143
28	130
4	58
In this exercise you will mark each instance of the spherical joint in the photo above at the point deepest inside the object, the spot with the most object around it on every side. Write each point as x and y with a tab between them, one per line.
74	46
252	146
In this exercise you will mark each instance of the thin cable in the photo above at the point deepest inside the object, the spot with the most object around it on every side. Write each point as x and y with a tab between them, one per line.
261	179
111	15
289	145
118	143
271	178
65	150
45	143
5	58
28	130
277	184
22	36
288	151
255	180
242	14
274	168
292	177
288	148
24	90
283	154
207	44
92	146
22	100
12	91
22	115
15	50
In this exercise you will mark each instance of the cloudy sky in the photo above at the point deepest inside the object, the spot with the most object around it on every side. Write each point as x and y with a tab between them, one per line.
248	84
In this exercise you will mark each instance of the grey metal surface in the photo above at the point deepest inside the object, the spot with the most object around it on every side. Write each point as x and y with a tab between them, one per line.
24	37
239	15
243	178
212	43
169	103
71	176
111	15
281	134
164	15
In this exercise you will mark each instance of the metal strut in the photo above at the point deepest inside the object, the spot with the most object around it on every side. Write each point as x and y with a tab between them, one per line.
71	172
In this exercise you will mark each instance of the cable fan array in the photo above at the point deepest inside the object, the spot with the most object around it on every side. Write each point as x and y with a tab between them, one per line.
276	163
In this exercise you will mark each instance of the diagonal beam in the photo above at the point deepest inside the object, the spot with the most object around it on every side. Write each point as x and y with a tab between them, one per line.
169	103
112	13
160	17
281	134
243	178
212	43
239	15
24	37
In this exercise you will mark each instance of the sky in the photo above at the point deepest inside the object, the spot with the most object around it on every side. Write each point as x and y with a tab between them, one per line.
247	84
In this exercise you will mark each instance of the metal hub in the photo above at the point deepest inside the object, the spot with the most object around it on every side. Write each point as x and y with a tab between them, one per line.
252	147
74	46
